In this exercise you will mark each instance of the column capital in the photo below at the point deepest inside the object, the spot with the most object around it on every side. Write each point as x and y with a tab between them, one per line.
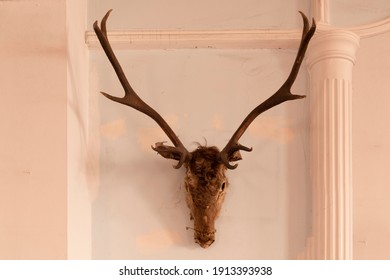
332	44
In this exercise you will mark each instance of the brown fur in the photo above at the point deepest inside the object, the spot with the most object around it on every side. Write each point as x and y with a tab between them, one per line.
206	185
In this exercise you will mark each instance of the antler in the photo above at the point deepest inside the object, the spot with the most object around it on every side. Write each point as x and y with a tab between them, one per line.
229	153
178	152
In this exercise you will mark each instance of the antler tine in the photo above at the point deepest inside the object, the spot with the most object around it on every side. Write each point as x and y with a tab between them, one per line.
101	33
282	95
307	34
179	152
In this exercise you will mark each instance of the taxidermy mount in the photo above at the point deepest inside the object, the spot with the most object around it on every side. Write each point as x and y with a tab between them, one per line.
205	179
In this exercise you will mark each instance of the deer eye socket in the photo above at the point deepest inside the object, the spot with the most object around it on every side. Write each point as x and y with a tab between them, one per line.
223	186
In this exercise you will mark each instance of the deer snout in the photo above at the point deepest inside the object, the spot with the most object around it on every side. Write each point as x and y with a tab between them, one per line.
205	239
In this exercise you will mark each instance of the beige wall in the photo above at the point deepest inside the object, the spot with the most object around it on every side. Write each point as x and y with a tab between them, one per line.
81	163
141	213
73	181
33	142
371	146
201	14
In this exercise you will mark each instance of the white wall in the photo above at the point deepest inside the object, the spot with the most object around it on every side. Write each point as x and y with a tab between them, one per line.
204	94
358	12
371	144
82	167
33	142
201	14
63	195
274	195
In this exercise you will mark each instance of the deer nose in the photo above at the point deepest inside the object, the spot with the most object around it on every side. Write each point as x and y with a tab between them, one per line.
205	239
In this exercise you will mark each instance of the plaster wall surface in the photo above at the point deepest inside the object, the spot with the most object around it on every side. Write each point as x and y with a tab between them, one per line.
140	210
33	145
289	197
371	146
73	182
204	95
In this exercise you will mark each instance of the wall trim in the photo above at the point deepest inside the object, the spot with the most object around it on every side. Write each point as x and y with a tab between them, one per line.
221	39
199	39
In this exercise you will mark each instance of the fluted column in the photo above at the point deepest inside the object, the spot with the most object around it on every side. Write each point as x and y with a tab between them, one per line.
330	60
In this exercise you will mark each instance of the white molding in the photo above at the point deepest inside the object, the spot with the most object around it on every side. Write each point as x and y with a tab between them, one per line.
197	39
224	39
372	29
363	31
230	39
333	43
321	11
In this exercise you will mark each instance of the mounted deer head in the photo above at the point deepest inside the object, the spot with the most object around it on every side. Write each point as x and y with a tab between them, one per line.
205	179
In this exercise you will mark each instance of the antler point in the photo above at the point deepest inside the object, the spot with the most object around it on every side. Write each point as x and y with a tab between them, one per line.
296	96
105	94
